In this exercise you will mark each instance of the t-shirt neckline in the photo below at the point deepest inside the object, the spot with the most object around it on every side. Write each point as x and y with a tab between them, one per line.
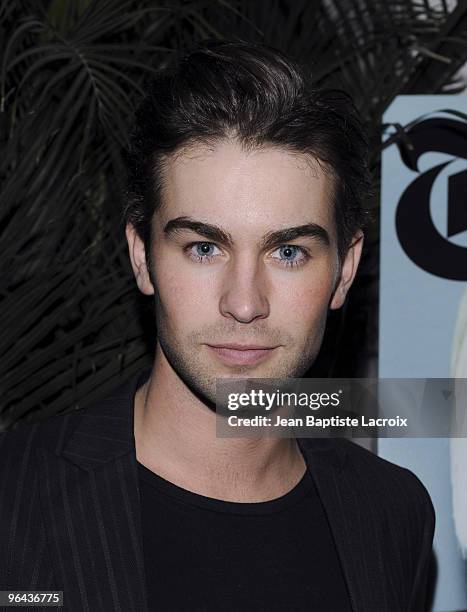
191	498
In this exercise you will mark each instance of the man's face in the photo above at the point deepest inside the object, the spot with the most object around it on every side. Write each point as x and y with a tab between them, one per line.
244	254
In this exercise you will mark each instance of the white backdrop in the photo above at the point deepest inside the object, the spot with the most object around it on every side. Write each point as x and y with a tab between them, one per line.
423	325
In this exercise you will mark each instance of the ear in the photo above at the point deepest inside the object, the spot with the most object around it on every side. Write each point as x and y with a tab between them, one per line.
347	271
138	260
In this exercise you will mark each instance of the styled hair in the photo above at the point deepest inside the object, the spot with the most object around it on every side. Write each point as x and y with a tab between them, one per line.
254	93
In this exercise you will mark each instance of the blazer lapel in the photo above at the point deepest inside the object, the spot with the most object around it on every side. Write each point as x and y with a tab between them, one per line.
356	536
90	502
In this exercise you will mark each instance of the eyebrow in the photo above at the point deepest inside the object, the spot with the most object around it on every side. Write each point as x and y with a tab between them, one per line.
309	230
271	239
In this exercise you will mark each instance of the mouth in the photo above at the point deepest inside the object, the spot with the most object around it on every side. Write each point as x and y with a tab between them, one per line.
242	354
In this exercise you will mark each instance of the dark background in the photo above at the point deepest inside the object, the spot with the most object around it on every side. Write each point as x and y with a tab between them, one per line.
73	324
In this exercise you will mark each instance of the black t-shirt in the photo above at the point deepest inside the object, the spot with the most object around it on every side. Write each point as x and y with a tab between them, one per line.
204	554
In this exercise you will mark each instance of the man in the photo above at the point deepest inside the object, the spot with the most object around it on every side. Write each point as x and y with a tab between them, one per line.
244	225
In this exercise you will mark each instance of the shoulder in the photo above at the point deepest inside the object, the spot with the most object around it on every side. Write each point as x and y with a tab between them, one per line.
53	432
99	430
18	445
390	483
380	486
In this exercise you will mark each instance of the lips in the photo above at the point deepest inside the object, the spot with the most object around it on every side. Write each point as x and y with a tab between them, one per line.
242	354
242	347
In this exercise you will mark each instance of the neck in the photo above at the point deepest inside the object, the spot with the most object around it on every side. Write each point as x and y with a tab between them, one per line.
175	437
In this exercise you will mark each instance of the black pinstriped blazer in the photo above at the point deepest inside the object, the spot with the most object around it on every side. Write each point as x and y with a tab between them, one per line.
70	514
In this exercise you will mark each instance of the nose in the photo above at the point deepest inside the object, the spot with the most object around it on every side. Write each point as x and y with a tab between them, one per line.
243	295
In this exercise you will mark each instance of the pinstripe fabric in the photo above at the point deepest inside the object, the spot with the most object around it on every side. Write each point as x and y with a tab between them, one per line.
70	514
382	520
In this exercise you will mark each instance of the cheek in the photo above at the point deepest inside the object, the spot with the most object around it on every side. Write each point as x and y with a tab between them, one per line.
182	295
304	302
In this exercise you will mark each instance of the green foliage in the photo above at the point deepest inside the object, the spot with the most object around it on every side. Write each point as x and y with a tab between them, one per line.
71	74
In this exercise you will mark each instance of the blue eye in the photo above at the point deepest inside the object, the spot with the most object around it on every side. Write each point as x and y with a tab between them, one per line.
288	252
292	255
203	251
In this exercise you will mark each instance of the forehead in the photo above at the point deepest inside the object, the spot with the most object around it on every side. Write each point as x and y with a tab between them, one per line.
226	184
